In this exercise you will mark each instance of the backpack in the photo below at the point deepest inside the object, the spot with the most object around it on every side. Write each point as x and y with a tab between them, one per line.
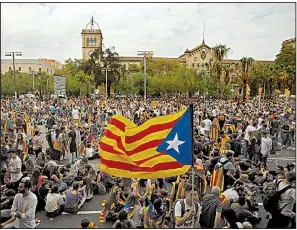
183	209
271	198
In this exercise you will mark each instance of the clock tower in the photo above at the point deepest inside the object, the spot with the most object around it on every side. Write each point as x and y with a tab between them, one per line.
91	38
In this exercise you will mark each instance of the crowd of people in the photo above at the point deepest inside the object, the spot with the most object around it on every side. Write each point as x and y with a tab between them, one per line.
51	171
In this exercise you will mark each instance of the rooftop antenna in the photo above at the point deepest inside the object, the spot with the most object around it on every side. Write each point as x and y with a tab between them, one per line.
203	33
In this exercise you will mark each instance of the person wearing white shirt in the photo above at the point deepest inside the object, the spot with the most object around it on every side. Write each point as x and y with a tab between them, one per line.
75	114
208	124
249	128
16	166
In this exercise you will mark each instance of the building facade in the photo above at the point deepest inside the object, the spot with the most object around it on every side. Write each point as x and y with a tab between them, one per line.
31	65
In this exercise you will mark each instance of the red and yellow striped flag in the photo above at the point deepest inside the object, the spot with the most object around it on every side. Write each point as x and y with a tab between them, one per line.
217	178
128	150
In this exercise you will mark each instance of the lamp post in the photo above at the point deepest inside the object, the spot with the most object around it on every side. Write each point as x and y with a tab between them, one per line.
145	54
106	69
13	63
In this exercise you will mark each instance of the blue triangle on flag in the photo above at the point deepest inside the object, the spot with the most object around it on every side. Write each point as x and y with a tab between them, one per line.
178	142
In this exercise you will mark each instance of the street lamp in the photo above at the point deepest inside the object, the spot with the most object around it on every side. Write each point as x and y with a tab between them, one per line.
13	63
145	54
106	69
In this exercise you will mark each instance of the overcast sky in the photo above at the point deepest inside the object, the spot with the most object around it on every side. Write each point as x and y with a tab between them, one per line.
54	30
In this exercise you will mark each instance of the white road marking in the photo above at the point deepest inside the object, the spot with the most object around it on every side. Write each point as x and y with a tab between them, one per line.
282	159
83	212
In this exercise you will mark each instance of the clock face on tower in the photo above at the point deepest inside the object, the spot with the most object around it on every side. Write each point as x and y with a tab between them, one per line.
90	52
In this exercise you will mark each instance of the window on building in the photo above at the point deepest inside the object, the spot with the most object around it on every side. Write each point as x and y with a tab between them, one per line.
51	71
20	68
39	69
9	68
47	70
193	65
29	69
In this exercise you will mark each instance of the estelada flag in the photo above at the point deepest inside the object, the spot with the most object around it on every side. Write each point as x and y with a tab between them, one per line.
161	147
217	177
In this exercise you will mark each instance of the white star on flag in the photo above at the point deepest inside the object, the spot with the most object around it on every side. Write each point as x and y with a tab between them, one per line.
175	143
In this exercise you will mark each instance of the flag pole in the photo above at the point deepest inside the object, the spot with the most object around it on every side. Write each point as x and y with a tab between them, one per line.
192	154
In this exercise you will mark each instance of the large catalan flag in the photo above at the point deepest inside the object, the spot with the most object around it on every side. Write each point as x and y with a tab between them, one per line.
161	147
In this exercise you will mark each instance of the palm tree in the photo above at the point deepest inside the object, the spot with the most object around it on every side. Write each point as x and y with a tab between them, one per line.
228	70
246	66
220	52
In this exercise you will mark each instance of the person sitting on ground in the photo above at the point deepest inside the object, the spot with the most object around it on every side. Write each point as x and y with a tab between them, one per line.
40	159
57	178
54	203
123	221
41	194
113	204
229	217
134	209
74	199
79	168
85	223
242	214
6	203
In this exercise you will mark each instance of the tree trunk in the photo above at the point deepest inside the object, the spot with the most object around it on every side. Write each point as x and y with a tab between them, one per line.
244	90
218	81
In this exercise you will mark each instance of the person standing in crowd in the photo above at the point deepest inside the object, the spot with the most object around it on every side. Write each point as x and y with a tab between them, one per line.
266	146
249	129
72	147
16	166
286	135
284	216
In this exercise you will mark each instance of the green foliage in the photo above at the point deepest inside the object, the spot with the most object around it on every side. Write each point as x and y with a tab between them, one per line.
286	67
246	67
160	67
220	52
24	83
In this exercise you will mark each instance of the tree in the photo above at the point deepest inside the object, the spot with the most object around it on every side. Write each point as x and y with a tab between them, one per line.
246	65
99	61
160	66
220	52
133	68
286	66
227	72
